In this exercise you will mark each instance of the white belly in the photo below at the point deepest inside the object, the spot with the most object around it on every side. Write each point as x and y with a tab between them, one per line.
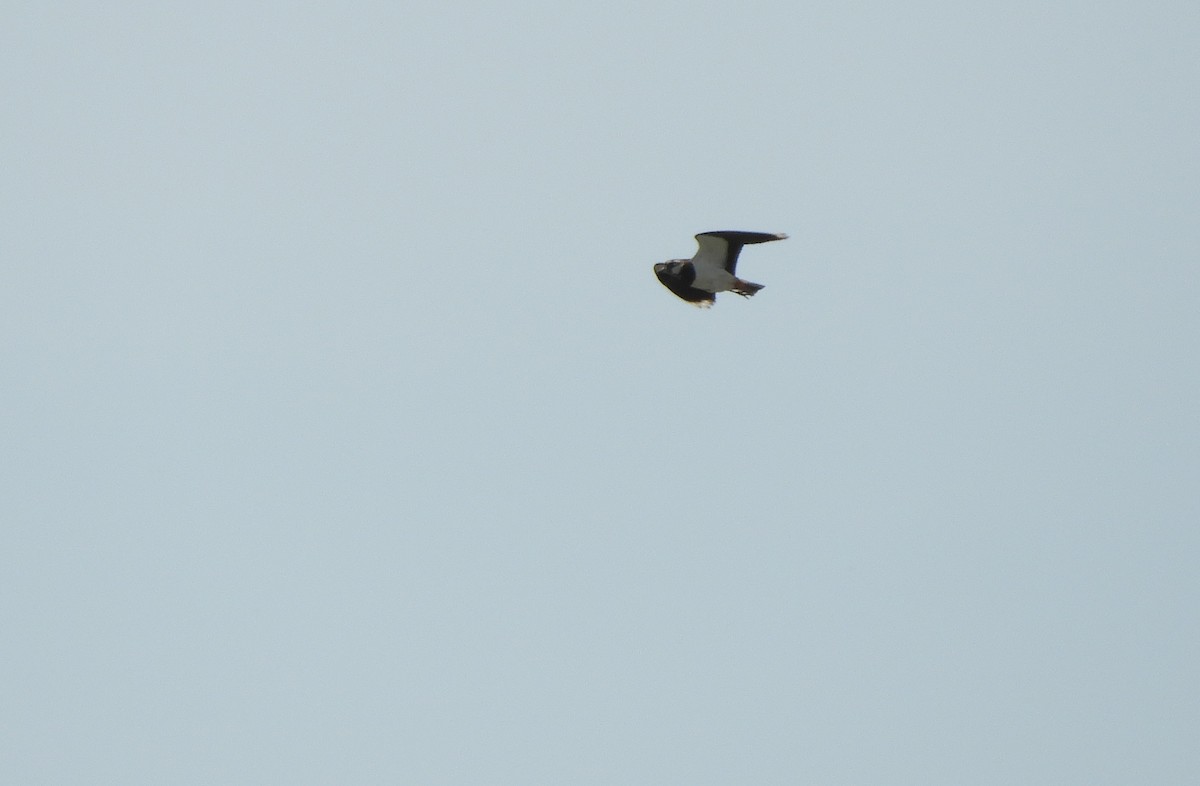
712	279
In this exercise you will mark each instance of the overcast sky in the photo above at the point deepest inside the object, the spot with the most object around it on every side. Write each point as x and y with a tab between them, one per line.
349	438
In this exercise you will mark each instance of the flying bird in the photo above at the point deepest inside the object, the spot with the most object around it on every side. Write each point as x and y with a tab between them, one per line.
713	269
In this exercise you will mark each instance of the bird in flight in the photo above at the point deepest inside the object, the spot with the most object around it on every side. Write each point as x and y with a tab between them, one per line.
713	269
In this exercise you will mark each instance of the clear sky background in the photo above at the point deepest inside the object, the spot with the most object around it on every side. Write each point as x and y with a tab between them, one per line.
349	438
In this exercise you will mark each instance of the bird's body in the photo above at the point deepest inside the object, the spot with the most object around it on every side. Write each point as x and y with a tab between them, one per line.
713	269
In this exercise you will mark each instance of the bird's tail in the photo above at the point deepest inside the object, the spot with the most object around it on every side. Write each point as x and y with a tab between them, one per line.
745	288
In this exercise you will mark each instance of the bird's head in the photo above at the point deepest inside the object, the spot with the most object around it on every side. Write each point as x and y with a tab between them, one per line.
669	268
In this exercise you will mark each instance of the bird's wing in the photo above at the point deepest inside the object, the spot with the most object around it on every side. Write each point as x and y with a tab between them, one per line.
715	255
719	250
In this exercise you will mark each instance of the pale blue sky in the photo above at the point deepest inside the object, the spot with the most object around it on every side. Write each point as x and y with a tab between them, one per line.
349	437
